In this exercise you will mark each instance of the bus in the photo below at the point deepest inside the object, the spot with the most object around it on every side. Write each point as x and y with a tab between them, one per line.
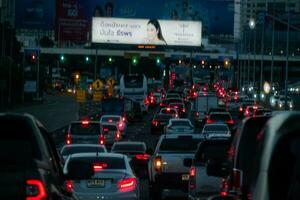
135	87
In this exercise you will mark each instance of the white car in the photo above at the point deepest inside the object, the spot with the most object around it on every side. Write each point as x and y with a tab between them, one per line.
114	119
179	126
216	130
112	177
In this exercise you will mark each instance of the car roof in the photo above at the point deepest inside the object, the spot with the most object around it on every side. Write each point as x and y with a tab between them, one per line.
107	123
130	143
177	136
83	145
180	119
96	154
219	113
215	125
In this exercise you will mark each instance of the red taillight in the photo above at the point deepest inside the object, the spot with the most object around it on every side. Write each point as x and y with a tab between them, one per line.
209	121
142	156
168	109
69	186
155	123
230	122
241	109
224	194
120	125
197	114
124	119
230	153
183	110
127	184
35	190
224	189
247	112
99	166
236	177
105	129
68	139
192	172
110	120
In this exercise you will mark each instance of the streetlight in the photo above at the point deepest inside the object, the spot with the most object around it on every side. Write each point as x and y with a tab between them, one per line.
252	23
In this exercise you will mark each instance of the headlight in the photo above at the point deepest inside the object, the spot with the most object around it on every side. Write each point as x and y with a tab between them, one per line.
297	89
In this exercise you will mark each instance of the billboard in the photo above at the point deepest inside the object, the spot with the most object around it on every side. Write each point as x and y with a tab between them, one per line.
33	14
74	17
146	31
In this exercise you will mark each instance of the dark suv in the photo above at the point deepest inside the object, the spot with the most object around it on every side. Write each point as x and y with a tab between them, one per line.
30	165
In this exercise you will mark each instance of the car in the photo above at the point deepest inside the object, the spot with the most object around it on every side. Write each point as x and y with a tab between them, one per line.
83	132
109	134
172	95
234	104
241	155
281	103
81	148
244	105
216	130
200	183
159	122
180	107
169	165
277	159
179	126
254	110
111	177
220	118
137	154
169	111
30	164
165	102
115	119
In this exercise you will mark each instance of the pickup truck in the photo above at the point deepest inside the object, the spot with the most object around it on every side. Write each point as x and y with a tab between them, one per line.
30	165
169	166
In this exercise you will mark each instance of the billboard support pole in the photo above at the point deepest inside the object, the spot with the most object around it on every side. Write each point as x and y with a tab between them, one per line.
95	66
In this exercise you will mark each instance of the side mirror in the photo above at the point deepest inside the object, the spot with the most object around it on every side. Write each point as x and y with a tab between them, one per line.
150	151
217	168
78	170
187	162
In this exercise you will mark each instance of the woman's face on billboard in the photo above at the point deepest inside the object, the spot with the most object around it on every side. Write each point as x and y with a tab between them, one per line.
151	32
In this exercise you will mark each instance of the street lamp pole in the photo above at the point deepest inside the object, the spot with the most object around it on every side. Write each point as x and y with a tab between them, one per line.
272	51
287	57
262	52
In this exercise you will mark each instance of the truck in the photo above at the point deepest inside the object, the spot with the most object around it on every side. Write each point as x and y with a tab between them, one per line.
202	105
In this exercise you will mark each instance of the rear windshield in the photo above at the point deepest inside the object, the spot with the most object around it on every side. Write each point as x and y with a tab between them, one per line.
111	119
109	127
164	111
215	128
174	105
128	148
179	145
85	129
181	123
110	162
163	117
221	117
214	151
216	110
72	150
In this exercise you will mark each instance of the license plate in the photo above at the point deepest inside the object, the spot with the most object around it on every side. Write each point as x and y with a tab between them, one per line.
185	177
96	183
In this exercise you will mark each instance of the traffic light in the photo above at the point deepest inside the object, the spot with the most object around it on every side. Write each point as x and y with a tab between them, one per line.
33	57
134	61
110	60
157	61
62	58
226	63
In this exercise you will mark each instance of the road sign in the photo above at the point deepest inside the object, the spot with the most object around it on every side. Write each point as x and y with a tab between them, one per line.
110	82
80	97
97	96
97	85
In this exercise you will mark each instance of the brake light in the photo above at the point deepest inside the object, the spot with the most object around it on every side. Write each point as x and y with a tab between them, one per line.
142	156
110	120
99	166
155	122
35	190
192	172
175	107
120	125
124	119
118	136
102	139
85	122
69	186
195	94
157	163
127	184
247	112
255	107
224	189
197	114
230	122
105	130
168	109
241	109
209	121
68	139
183	110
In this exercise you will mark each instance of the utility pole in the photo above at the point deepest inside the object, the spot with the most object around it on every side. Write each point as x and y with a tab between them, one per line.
287	56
